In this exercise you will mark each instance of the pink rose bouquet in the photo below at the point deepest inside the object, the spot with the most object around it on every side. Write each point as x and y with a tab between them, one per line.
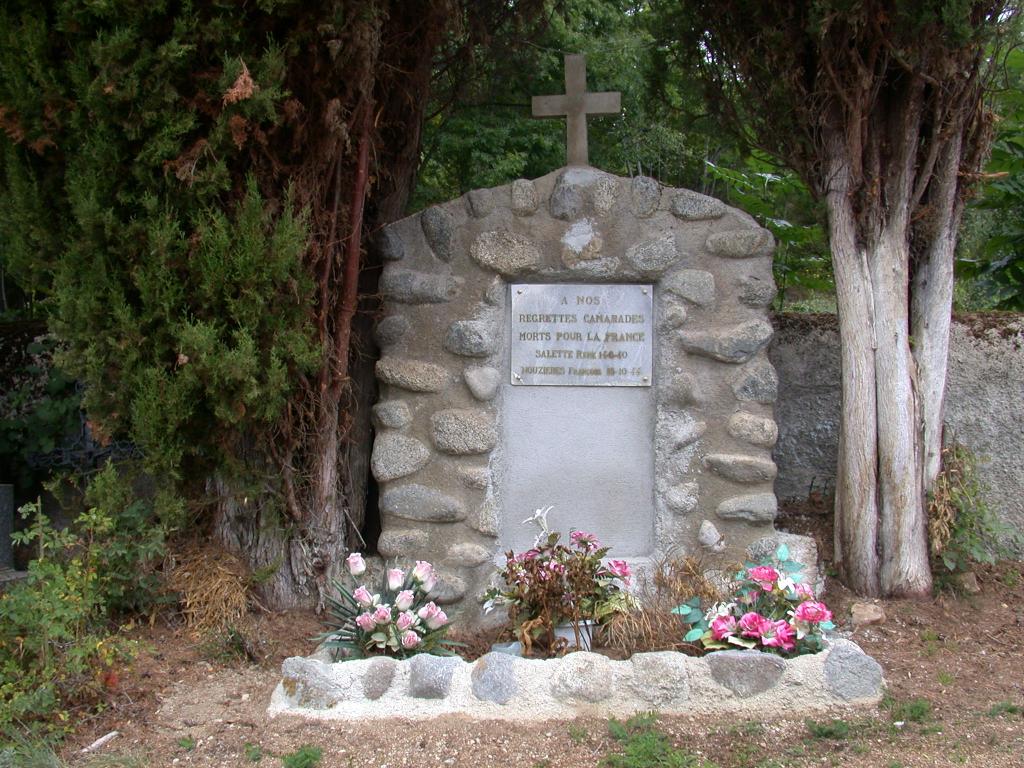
770	609
397	619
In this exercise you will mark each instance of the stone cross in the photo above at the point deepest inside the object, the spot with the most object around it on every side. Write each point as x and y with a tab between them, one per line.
575	104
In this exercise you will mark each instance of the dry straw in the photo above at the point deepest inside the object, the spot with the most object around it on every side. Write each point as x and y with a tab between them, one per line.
212	586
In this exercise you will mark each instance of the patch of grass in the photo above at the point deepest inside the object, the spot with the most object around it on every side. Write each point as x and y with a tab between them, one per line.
1005	708
1010	577
915	710
945	678
644	746
578	734
187	743
834	729
253	752
29	754
306	756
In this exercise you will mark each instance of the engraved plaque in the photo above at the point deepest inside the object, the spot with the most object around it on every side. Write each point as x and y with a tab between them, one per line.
582	335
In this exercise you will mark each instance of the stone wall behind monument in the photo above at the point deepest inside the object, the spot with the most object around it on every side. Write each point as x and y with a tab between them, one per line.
984	404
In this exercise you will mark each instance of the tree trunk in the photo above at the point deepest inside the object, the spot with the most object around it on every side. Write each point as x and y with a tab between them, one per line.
932	306
880	520
856	513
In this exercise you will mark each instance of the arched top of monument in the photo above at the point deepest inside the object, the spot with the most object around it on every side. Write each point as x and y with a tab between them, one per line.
578	222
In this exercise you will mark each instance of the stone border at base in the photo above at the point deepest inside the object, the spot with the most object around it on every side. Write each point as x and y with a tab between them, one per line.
500	686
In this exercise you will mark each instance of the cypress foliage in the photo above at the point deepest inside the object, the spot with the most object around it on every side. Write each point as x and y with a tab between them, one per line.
181	178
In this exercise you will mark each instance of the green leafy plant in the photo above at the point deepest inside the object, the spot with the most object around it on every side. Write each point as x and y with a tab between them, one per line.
1005	708
306	756
828	729
57	649
963	530
253	752
188	743
644	746
915	710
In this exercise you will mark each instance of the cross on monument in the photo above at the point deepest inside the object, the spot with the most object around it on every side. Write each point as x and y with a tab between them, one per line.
575	104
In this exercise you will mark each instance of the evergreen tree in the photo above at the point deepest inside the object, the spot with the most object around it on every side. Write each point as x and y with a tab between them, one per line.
190	182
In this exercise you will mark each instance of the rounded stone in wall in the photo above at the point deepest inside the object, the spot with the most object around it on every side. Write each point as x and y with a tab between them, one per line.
463	432
660	678
654	256
471	338
757	383
583	676
438	228
753	507
524	197
741	243
731	344
646	195
693	206
396	455
756	430
413	375
742	468
419	502
391	330
506	253
395	542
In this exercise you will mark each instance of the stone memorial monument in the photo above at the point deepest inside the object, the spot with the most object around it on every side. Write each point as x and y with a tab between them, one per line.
580	340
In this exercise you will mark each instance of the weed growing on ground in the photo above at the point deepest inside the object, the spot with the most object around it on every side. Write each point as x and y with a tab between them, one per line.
916	710
187	743
306	756
644	746
1005	708
253	752
578	734
945	678
830	729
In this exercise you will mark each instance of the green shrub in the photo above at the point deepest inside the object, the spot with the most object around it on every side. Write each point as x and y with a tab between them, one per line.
56	644
963	530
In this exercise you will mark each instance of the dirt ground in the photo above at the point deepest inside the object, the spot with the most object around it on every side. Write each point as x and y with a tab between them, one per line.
188	703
